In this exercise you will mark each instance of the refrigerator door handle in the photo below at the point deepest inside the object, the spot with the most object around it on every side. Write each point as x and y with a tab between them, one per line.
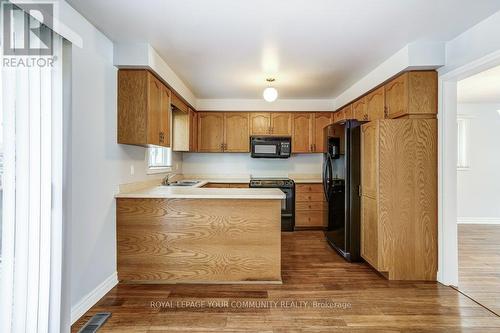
326	179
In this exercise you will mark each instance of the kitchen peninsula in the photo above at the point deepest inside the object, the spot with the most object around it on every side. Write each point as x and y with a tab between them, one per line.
199	235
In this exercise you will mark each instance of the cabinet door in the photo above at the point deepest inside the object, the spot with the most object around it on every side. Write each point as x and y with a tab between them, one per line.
210	131
260	123
236	132
164	136
369	231
302	133
281	123
348	114
154	110
396	96
375	104
369	159
359	110
193	131
321	120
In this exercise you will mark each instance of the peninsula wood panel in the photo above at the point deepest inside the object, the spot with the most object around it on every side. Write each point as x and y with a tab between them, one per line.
198	240
260	123
236	132
210	131
302	138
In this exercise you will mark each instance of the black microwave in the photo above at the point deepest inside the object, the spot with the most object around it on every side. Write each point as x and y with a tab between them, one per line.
270	146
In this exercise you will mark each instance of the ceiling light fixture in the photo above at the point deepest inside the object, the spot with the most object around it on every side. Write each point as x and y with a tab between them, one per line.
270	94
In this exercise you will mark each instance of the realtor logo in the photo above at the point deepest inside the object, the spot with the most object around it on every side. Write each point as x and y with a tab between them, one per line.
36	39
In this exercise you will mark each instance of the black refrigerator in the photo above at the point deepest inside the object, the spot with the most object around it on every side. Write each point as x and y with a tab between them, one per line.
341	183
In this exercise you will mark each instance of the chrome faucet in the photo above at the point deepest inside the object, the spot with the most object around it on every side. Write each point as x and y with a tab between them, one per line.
166	180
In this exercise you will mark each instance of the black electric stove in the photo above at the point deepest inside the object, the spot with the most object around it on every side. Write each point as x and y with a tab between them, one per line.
287	205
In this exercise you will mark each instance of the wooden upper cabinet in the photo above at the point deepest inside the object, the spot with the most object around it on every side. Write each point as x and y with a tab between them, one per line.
412	94
359	109
321	120
155	108
165	117
375	104
369	158
281	123
348	114
179	104
302	138
210	131
143	109
193	130
260	123
236	132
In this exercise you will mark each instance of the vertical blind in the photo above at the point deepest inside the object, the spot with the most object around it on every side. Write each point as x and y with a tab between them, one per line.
31	222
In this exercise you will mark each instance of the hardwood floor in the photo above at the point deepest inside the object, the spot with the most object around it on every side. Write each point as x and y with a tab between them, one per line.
352	298
479	263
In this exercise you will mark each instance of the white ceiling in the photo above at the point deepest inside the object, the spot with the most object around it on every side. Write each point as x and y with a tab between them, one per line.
480	88
314	48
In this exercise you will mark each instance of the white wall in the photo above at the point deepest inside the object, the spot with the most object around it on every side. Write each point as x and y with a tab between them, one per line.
479	187
97	164
243	165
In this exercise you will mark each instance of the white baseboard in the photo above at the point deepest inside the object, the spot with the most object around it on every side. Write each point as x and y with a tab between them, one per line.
93	297
478	220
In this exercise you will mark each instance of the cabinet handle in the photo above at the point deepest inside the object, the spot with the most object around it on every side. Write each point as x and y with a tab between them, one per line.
386	111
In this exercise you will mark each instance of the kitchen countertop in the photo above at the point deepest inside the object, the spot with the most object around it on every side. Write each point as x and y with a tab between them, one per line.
195	192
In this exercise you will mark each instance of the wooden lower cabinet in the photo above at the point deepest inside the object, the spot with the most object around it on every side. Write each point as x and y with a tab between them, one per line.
311	210
399	197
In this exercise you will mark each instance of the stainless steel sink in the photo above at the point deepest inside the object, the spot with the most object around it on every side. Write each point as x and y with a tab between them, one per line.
186	183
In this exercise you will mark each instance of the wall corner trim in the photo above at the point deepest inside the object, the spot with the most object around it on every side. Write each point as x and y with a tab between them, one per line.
93	297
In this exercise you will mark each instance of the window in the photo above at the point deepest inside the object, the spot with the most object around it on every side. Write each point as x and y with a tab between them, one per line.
463	125
159	159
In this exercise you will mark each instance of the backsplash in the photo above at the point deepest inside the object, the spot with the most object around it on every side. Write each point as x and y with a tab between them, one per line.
243	164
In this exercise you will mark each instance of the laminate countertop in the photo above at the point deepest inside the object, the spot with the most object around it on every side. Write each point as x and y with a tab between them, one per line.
195	192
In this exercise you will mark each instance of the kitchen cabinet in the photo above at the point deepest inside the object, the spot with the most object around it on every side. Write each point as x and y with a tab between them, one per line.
302	137
260	123
193	131
399	197
223	132
321	120
179	104
236	129
311	210
210	132
281	123
375	104
275	123
307	131
185	130
359	110
143	109
412	94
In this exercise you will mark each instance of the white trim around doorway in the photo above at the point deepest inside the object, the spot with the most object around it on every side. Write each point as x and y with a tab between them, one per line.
447	163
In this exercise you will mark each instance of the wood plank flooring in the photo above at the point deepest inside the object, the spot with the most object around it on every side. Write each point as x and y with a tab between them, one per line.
330	295
479	263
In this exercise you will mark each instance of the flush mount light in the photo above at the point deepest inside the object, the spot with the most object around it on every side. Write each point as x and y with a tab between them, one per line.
270	94
498	111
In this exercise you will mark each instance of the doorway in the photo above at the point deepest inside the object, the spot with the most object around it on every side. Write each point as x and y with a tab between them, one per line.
478	187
